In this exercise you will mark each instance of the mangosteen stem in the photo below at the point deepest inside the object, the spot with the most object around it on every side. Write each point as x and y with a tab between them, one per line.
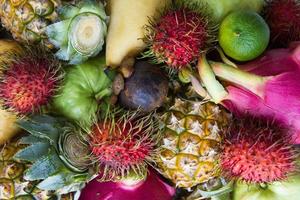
225	59
249	81
214	87
103	93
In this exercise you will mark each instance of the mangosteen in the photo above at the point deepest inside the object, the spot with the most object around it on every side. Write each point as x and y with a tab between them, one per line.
146	88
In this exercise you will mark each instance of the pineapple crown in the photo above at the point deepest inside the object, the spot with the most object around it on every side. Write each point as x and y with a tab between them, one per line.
173	41
47	152
123	143
81	33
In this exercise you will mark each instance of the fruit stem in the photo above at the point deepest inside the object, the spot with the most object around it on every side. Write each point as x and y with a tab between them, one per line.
198	88
225	59
263	186
103	93
249	81
214	87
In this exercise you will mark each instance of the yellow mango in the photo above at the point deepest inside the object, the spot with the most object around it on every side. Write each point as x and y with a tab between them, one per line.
126	28
8	127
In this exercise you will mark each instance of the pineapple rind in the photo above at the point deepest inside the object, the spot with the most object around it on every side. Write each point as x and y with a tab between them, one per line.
12	184
189	149
27	19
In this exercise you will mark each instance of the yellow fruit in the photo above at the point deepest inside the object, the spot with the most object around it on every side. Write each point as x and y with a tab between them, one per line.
189	147
12	184
126	28
8	127
27	19
8	48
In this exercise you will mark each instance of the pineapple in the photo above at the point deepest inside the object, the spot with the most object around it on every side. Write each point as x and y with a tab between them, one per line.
51	158
27	19
12	183
188	153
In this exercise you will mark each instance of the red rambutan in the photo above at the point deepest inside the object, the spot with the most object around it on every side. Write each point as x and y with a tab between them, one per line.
257	151
29	82
283	18
123	146
178	37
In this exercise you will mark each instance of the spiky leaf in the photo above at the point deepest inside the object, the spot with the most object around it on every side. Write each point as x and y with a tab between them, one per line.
31	139
44	167
68	11
41	130
62	181
33	152
54	182
58	33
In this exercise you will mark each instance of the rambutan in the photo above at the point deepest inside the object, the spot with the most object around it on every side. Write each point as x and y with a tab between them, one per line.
28	82
178	37
124	145
283	18
257	150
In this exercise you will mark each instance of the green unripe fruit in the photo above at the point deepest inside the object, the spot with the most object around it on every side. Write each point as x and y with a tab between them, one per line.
86	89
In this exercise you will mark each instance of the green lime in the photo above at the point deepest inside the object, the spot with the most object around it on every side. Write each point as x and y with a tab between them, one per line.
244	35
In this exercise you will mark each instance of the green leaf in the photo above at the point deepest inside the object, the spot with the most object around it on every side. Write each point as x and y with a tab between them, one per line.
44	167
67	11
33	152
58	33
63	181
93	7
54	182
74	187
62	53
41	130
31	139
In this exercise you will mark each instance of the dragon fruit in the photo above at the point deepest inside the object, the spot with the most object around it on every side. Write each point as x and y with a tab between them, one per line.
153	188
268	87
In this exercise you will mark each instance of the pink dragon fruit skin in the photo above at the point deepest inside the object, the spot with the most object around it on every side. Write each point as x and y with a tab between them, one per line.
275	61
153	188
279	95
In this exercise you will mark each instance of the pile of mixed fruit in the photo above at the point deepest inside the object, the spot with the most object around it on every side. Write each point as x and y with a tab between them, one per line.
150	99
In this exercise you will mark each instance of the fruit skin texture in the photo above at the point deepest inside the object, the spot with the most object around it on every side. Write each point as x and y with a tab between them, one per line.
123	144
11	176
85	90
221	8
51	166
280	190
81	33
153	188
29	82
284	20
146	89
275	83
125	31
244	35
190	142
8	127
257	150
178	37
8	50
27	20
